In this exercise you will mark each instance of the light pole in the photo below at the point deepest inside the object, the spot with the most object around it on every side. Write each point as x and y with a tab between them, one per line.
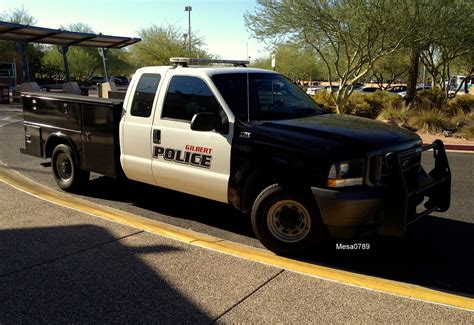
188	9
185	41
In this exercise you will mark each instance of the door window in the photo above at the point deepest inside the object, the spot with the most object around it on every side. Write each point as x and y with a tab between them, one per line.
187	96
145	94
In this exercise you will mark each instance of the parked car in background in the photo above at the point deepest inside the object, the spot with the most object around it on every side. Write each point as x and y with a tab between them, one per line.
123	80
418	88
423	87
96	80
367	89
101	79
313	90
397	89
332	89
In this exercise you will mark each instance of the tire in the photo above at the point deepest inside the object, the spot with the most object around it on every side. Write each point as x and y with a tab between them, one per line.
287	222
67	173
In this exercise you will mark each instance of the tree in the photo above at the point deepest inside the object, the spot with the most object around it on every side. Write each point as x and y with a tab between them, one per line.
464	66
84	62
294	61
440	25
348	35
18	16
391	68
9	50
453	38
160	43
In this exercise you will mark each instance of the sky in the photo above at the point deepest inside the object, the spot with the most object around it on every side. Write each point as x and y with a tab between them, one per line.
219	22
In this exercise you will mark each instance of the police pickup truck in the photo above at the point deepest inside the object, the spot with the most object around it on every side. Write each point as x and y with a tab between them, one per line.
250	138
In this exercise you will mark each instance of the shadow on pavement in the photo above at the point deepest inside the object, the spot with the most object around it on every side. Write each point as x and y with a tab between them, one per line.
43	280
436	253
170	203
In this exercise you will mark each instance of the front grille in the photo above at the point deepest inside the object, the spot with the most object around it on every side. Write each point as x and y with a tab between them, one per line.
381	172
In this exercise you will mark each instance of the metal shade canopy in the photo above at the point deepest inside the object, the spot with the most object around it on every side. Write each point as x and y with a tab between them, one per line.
33	34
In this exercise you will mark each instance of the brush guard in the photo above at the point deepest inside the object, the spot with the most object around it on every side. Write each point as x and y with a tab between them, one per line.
406	192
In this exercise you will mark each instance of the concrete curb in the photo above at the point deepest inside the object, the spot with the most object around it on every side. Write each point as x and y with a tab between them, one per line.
463	147
457	147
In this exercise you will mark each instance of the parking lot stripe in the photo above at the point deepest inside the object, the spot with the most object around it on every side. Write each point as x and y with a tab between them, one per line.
411	291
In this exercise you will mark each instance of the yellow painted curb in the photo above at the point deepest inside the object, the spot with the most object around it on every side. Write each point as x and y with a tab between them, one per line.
250	253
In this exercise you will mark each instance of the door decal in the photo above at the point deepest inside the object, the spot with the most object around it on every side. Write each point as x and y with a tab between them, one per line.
190	155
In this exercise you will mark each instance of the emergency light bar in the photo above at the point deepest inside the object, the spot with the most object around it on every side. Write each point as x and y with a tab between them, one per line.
181	61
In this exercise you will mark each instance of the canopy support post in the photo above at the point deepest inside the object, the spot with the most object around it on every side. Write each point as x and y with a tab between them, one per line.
63	50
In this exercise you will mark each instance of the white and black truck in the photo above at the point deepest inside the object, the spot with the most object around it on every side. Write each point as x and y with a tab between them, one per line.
248	137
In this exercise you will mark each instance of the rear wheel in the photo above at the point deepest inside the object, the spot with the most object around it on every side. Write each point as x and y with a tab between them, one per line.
67	173
287	222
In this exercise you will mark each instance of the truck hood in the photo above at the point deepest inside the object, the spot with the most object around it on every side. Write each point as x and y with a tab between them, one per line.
338	132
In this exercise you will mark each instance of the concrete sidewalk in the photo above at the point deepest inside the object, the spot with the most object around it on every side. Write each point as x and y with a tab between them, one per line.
61	265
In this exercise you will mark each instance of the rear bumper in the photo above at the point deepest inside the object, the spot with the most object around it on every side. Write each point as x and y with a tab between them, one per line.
387	210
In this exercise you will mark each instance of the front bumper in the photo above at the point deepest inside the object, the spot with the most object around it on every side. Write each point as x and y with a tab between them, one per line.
349	214
388	210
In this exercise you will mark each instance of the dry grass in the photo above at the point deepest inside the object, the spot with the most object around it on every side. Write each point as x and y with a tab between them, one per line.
430	112
431	121
468	129
394	113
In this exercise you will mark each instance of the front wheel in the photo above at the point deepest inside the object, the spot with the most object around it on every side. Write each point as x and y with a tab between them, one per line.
67	173
287	222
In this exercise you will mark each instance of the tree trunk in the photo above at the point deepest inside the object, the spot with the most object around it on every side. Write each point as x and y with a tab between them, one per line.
339	105
412	75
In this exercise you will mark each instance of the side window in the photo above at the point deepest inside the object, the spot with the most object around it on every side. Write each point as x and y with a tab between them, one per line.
187	96
144	94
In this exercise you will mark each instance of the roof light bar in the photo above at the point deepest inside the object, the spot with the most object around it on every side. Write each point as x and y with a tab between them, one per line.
185	61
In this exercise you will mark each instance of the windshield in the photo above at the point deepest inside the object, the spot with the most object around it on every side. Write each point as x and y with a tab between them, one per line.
264	96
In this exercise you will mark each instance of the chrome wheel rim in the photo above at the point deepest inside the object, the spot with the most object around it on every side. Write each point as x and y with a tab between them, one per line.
63	166
288	221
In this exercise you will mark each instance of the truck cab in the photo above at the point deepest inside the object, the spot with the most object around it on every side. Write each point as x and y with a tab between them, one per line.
160	144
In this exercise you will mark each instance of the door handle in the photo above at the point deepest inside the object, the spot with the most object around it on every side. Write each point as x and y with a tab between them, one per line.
157	136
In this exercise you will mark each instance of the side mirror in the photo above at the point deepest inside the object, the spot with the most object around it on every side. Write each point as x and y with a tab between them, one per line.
206	121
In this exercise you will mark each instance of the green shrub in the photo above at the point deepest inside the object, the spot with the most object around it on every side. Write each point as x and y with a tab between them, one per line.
468	129
430	120
461	104
460	119
324	99
430	100
379	98
358	105
371	104
395	113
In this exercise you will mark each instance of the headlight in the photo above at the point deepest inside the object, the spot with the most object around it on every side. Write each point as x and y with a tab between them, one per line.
346	173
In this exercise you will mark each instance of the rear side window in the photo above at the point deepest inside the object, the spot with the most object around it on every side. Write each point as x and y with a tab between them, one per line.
187	96
145	94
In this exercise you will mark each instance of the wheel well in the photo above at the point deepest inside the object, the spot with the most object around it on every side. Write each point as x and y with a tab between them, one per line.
54	141
260	179
254	184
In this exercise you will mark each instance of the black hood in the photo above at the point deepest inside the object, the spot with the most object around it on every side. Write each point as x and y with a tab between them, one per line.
337	132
